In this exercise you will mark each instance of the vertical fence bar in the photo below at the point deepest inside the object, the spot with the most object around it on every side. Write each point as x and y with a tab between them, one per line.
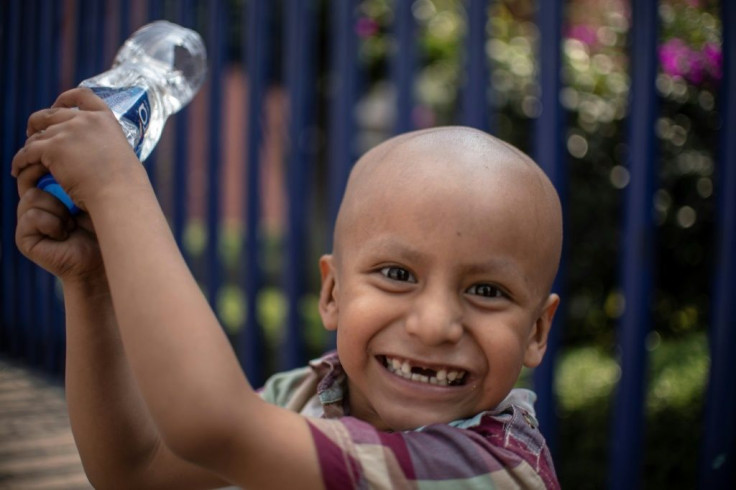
256	45
58	320
155	12
123	20
10	128
46	91
718	459
404	62
35	275
548	151
27	324
214	151
637	250
90	29
475	98
4	194
300	22
343	93
181	149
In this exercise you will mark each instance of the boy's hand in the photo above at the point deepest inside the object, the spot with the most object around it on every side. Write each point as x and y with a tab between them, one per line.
51	237
79	141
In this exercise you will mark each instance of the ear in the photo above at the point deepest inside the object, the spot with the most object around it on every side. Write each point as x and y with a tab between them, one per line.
327	296
537	342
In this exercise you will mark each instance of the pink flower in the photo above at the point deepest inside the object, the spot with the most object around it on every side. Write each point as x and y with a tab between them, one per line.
713	59
674	56
680	60
366	27
584	33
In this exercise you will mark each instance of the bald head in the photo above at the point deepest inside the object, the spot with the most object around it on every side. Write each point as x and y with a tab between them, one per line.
458	162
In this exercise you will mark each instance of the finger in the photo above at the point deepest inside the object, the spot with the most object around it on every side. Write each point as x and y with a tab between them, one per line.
28	177
41	120
37	198
31	153
81	97
36	223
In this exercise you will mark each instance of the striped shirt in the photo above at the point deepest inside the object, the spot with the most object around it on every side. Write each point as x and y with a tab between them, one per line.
500	448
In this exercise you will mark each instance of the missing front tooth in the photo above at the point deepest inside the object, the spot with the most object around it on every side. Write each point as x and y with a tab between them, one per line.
424	371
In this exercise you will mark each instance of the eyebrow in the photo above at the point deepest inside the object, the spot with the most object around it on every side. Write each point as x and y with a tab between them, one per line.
390	244
492	265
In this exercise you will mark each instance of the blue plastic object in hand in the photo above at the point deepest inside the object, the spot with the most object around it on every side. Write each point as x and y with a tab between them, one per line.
49	184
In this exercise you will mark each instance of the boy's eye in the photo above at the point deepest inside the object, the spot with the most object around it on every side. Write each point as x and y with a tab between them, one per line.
398	274
485	290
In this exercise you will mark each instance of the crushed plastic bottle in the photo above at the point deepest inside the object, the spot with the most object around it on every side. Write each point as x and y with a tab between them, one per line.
156	72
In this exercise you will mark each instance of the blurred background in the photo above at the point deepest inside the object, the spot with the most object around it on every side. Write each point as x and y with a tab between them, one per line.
251	173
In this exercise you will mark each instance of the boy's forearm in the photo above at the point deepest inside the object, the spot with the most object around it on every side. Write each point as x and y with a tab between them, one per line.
112	429
181	359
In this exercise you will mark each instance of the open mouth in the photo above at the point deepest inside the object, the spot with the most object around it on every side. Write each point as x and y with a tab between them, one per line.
423	374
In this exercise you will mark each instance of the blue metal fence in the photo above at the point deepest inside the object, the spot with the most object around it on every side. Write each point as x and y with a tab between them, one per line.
637	250
35	66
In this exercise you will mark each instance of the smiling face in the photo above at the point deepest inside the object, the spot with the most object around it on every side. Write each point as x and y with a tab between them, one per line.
446	246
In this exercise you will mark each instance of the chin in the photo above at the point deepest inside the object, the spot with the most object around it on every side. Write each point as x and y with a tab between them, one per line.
402	422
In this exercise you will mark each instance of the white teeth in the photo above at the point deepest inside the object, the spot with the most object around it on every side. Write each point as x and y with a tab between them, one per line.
443	377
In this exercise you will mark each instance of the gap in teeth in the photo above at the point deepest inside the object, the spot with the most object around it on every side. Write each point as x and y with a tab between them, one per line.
442	377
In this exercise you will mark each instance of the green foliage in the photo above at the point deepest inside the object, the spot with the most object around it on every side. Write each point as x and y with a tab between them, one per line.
679	371
585	377
585	384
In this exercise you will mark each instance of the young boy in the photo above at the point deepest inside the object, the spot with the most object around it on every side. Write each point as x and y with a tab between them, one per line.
446	246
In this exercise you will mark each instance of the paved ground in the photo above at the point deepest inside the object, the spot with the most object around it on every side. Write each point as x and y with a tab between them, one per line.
36	446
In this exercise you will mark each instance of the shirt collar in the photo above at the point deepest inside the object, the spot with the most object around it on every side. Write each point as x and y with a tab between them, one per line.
332	387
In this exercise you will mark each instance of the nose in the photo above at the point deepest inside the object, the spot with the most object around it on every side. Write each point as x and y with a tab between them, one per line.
435	317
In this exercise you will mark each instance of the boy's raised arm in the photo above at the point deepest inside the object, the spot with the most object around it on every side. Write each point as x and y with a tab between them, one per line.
184	366
114	433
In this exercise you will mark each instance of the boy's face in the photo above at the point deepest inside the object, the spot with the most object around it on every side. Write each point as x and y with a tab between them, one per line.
438	286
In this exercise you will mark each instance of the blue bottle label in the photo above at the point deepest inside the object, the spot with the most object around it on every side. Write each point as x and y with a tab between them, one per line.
130	103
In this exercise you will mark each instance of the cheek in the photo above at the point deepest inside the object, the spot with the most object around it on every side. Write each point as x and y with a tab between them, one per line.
367	309
504	359
503	349
367	315
358	321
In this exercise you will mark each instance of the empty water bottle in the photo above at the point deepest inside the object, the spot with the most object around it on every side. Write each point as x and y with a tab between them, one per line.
156	72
